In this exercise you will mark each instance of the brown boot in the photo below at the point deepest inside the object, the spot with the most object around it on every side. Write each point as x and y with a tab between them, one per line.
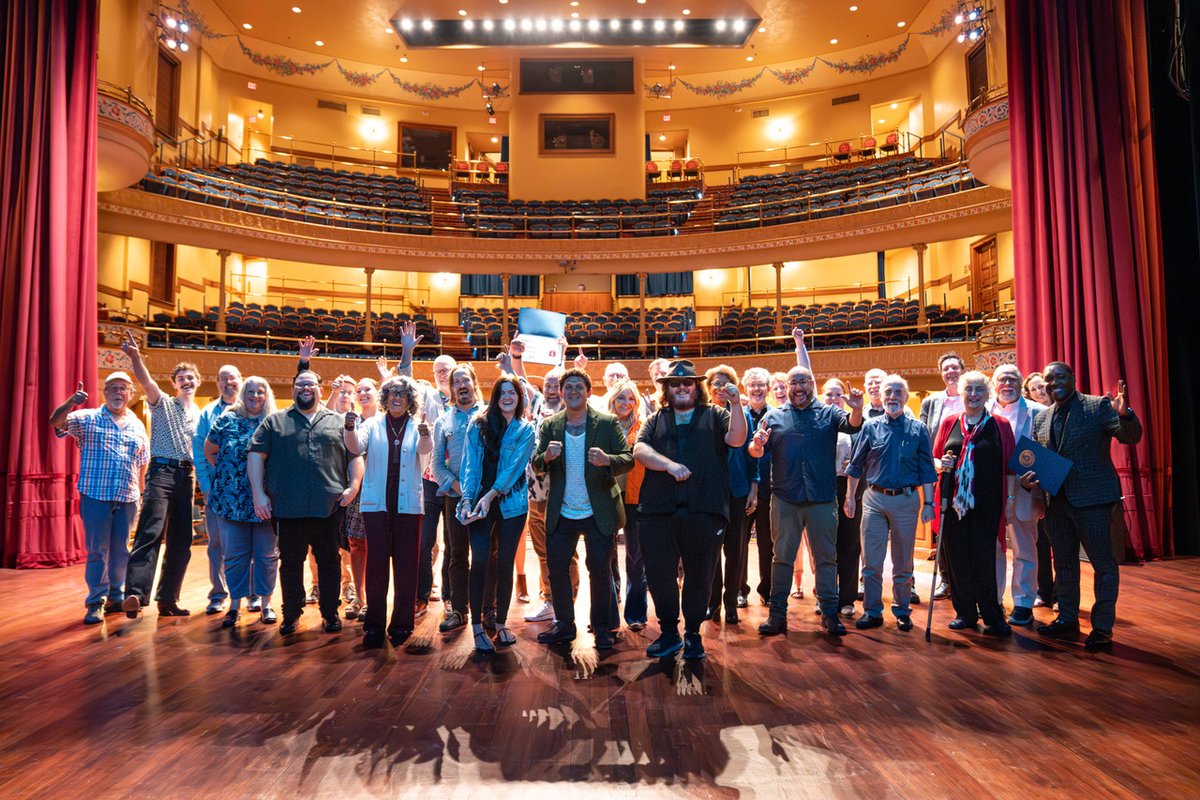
522	590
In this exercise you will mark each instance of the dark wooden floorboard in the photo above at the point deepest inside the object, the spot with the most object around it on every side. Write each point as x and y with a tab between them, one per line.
180	708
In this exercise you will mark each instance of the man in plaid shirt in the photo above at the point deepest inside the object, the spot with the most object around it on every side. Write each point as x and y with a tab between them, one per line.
113	452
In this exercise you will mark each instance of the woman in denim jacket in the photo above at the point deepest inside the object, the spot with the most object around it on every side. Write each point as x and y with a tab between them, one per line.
494	502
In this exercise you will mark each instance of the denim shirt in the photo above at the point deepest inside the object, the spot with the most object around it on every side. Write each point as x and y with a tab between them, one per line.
449	444
803	451
893	453
516	448
208	416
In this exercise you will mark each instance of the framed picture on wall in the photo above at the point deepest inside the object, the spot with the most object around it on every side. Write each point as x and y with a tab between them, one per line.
576	134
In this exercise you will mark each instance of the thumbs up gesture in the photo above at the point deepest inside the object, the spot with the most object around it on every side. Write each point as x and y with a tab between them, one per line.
80	397
762	434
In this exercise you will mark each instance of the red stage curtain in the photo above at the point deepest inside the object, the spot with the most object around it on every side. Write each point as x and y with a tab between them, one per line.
1086	237
48	247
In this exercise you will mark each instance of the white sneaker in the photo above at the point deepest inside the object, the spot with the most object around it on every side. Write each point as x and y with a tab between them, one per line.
847	611
546	612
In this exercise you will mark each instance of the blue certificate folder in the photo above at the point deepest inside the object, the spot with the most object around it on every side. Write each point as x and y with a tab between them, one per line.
540	331
1051	468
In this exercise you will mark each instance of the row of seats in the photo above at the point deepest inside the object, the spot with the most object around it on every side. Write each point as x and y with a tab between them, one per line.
816	182
818	318
486	326
777	207
908	160
492	214
846	337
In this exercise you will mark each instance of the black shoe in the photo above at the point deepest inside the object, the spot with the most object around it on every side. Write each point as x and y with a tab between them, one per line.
960	624
742	602
731	615
453	620
942	591
1098	640
331	624
288	626
867	621
172	610
372	640
112	608
999	631
489	620
399	637
231	618
666	645
904	622
558	632
914	599
775	625
1060	629
833	625
604	640
1021	616
693	647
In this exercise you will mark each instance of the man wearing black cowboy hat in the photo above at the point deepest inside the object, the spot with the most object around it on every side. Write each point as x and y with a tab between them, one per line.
684	508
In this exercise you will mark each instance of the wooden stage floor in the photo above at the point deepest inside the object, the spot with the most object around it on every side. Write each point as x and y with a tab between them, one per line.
179	708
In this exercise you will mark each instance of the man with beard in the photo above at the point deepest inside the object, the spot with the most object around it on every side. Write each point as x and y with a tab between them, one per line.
449	441
582	450
167	501
934	409
297	469
684	504
1081	427
113	451
229	383
801	439
895	456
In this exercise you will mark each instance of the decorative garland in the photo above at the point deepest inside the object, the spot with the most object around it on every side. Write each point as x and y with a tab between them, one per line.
359	79
722	88
431	91
790	77
865	65
280	65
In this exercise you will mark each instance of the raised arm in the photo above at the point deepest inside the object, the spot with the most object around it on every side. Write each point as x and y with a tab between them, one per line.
308	349
408	343
59	418
140	373
736	437
802	359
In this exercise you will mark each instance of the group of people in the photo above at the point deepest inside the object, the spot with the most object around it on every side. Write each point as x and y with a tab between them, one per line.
686	473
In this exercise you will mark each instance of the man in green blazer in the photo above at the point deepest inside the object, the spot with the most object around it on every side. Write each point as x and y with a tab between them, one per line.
582	450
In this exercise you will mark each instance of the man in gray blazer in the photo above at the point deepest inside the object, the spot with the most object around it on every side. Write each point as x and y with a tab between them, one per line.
934	409
1081	428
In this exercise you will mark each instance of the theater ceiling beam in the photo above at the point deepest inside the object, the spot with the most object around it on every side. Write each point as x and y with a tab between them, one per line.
976	212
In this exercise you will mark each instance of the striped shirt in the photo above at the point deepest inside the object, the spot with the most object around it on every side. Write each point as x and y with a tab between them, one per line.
172	428
110	455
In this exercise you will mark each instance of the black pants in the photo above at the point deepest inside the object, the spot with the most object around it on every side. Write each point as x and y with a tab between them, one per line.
1045	571
429	528
296	536
494	543
393	553
456	558
729	579
667	538
969	546
1090	526
166	515
560	547
849	547
760	521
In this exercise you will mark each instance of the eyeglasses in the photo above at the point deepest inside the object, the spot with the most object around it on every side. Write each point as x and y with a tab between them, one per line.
305	385
677	384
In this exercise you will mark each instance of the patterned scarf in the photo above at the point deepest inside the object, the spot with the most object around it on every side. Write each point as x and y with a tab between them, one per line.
964	473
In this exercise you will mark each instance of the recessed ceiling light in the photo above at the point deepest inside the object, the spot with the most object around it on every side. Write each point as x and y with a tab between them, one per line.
247	26
539	24
404	58
854	8
662	137
833	41
894	106
762	29
574	3
901	24
503	2
576	25
527	25
462	12
319	43
615	24
739	25
883	122
686	12
406	24
678	25
556	25
659	25
495	139
593	25
488	25
296	9
749	58
720	25
426	25
480	68
670	66
468	24
641	2
636	25
574	15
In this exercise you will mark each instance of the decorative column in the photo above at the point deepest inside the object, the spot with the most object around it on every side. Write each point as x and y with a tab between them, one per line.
367	317
221	292
921	247
504	276
642	276
778	265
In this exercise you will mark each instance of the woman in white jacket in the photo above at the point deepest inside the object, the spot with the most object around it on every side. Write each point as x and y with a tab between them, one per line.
397	444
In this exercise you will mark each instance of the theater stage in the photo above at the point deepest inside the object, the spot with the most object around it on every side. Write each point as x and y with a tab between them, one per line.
179	708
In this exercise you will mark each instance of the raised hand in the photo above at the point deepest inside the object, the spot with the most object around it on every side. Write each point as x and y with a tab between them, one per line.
408	335
798	335
1120	403
308	348
80	397
384	370
855	398
762	435
504	361
517	348
581	360
732	396
130	346
351	420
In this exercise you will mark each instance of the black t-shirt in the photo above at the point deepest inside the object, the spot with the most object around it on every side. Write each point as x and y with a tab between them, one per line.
702	449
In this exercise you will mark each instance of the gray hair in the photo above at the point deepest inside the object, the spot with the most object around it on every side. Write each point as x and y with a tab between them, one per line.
239	406
974	376
893	378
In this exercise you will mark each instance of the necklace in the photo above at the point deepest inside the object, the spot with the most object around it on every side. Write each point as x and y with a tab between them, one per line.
396	434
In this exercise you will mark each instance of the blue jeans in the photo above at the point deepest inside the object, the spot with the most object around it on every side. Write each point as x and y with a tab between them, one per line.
636	597
214	527
106	526
251	557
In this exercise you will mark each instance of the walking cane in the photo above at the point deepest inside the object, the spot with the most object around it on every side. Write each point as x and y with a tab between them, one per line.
944	486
